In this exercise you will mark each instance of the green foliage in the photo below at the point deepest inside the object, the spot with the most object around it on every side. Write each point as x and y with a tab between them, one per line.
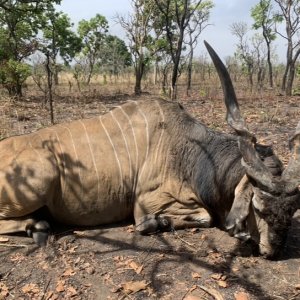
13	73
92	33
20	22
58	36
264	19
115	55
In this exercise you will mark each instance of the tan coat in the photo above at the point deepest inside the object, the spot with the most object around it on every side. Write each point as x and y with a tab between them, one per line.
99	170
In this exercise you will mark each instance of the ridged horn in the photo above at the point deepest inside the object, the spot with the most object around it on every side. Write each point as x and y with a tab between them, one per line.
233	116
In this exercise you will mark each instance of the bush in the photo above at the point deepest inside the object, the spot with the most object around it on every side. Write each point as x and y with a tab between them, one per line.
13	74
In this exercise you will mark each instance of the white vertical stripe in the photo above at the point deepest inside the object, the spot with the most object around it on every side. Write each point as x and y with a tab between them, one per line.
136	151
76	156
115	152
36	151
157	146
161	134
93	158
147	141
63	161
126	144
166	165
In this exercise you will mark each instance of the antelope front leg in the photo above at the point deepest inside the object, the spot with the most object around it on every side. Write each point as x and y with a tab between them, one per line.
173	214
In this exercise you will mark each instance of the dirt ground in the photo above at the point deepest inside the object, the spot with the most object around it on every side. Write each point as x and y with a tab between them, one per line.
114	262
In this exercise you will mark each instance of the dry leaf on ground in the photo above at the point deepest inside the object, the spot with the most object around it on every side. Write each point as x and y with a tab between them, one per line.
241	296
30	288
79	233
3	290
191	297
136	267
222	283
196	275
4	239
71	292
69	272
134	286
216	276
217	295
60	286
17	257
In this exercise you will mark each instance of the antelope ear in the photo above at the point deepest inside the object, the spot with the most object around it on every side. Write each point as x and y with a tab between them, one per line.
240	208
254	166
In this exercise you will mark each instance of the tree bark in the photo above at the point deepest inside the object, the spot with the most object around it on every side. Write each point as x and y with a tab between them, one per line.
189	70
139	71
270	67
49	83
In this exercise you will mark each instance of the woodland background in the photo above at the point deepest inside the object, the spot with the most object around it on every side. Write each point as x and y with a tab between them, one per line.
52	71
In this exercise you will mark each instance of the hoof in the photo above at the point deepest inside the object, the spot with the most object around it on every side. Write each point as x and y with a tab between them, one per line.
163	223
39	232
151	223
146	224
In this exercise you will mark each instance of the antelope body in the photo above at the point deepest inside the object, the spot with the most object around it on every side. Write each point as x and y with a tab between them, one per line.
152	160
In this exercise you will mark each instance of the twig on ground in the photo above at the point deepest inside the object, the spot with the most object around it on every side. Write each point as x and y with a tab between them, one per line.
14	245
211	292
295	296
182	240
188	291
45	289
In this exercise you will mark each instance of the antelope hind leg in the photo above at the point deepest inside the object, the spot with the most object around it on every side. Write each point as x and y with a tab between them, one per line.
39	231
32	183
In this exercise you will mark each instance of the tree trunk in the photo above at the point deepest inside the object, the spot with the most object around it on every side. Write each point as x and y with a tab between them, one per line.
289	61
176	61
291	74
139	70
55	76
290	80
189	70
155	72
250	76
271	83
49	83
284	77
91	70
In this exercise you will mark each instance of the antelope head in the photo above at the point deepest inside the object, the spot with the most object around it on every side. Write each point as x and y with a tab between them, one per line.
268	195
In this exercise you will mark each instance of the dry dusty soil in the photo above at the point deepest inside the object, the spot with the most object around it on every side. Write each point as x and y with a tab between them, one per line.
116	263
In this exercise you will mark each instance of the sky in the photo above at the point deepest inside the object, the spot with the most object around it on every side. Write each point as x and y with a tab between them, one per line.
224	13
